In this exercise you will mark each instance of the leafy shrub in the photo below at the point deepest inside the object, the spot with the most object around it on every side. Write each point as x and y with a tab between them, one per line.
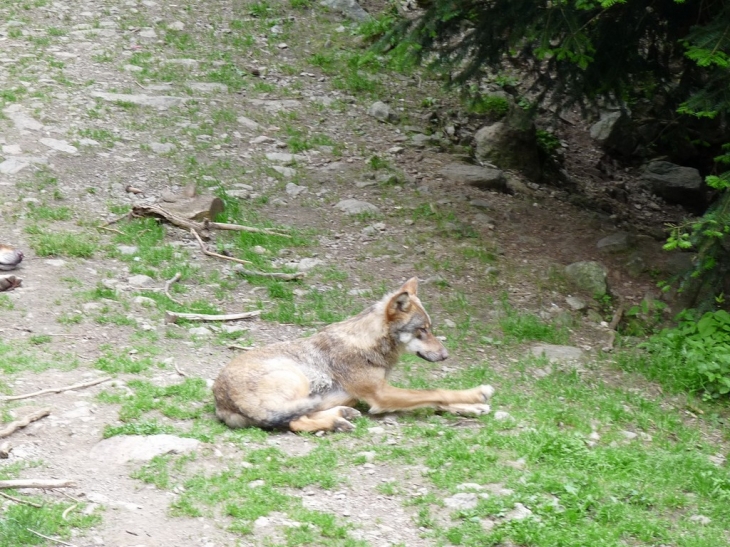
701	348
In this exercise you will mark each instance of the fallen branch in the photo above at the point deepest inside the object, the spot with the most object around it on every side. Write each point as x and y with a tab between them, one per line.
12	427
113	230
156	210
68	510
216	255
37	483
115	220
50	538
175	279
239	228
236	346
18	500
613	325
273	275
179	371
173	316
56	389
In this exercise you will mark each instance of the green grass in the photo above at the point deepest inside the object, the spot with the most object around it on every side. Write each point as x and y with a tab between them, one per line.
46	242
16	358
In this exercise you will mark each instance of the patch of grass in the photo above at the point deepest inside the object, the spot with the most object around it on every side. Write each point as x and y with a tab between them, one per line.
47	242
184	401
44	212
49	520
103	136
519	327
6	303
15	358
124	363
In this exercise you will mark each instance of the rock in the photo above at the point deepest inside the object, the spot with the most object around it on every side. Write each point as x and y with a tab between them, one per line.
576	303
202	332
306	264
285	158
588	276
208	87
510	144
177	26
616	243
700	519
12	149
381	111
484	178
127	249
294	189
501	415
349	8
674	183
354	207
629	435
162	147
480	204
156	101
126	448
614	132
520	512
469	486
21	120
555	353
286	172
144	301
247	122
461	502
140	281
13	165
276	105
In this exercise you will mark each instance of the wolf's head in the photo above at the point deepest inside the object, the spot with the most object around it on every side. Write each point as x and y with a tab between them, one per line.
410	325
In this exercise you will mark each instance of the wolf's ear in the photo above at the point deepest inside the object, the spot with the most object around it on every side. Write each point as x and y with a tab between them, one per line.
410	286
400	303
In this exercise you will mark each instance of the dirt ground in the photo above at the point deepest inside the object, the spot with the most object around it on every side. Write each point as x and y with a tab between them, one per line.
64	54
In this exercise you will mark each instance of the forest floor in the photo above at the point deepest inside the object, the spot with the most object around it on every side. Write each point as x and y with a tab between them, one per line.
108	105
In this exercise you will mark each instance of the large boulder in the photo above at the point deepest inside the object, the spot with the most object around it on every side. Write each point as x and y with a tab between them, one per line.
484	178
588	276
510	143
614	131
674	183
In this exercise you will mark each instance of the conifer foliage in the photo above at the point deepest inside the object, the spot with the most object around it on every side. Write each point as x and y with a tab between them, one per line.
674	54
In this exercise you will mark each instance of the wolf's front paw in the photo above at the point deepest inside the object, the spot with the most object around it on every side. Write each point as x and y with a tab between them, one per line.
342	426
486	392
477	409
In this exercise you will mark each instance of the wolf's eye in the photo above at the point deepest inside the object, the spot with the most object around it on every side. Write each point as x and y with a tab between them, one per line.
422	332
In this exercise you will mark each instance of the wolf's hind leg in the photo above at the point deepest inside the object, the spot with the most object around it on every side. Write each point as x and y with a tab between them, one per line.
333	419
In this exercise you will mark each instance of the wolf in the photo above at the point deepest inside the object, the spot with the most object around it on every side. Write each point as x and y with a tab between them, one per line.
310	384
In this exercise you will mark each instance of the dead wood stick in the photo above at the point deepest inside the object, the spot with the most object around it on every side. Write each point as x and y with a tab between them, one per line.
113	230
18	500
115	220
274	275
239	228
156	210
37	483
173	316
68	510
211	253
50	538
179	371
236	346
5	450
56	389
12	427
175	279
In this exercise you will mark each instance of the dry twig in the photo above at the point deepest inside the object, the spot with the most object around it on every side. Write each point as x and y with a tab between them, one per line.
236	346
50	538
169	283
12	427
18	500
216	255
273	275
179	371
68	510
36	483
56	389
173	316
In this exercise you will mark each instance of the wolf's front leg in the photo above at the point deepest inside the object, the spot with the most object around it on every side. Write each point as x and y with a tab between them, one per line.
385	398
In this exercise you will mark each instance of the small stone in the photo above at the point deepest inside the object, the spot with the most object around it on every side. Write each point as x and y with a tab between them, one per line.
140	281
377	430
177	25
200	331
469	486
144	301
520	512
381	111
306	264
461	502
127	249
256	483
294	189
354	207
501	415
55	262
162	147
700	519
630	435
576	303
